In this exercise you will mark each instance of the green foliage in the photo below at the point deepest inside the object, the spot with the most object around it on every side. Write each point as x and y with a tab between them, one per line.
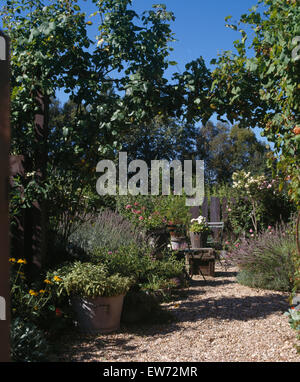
107	230
36	314
265	261
90	280
263	89
169	139
175	210
256	203
293	315
153	279
136	262
28	342
227	149
142	210
153	212
36	301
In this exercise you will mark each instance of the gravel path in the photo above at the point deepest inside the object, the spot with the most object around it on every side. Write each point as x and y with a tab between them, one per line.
217	321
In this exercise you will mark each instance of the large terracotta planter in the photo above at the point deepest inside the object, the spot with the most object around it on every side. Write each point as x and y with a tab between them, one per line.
99	314
198	239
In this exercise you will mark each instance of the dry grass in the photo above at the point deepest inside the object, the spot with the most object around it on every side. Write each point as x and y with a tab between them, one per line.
219	321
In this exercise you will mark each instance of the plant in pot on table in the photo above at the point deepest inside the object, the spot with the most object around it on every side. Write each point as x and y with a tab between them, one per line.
177	215
96	297
199	231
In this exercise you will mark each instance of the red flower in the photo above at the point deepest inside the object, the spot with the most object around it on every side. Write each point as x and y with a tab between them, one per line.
58	312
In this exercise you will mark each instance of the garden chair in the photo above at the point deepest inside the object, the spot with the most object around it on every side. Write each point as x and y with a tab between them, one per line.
216	238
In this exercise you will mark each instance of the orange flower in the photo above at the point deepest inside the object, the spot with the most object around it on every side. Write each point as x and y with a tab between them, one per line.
22	261
33	293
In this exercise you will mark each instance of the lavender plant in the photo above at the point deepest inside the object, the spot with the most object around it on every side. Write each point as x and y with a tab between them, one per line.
107	230
266	260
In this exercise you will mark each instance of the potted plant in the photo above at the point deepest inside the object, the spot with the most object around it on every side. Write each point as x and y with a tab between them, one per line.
96	297
177	216
199	231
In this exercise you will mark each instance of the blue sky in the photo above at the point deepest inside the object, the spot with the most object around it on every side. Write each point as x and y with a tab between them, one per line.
199	28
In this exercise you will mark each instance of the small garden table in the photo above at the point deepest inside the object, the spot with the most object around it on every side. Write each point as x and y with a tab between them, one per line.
197	258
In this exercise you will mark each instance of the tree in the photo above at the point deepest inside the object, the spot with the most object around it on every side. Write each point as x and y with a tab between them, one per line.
51	51
262	89
226	150
161	139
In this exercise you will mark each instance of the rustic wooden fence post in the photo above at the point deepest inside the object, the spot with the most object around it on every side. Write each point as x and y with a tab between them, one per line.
4	214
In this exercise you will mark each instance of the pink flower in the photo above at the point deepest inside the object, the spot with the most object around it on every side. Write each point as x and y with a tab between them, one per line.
269	227
139	212
109	252
227	242
229	210
252	235
128	206
136	203
250	230
141	218
237	244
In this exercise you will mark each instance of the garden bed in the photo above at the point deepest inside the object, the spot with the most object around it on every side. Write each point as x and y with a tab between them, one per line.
219	320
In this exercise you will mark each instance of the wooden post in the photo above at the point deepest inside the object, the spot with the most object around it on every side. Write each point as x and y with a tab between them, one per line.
204	208
215	213
36	217
4	218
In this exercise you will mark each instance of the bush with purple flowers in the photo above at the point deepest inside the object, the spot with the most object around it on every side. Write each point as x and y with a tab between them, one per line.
266	260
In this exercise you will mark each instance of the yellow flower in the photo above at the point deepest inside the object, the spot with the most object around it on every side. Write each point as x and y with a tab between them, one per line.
47	281
42	291
35	308
22	261
33	293
56	278
12	260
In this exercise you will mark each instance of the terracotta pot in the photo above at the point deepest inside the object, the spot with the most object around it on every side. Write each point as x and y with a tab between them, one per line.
178	243
99	314
198	239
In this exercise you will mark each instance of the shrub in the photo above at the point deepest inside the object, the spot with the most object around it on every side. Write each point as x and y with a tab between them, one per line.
90	280
28	342
34	309
153	278
265	261
258	203
137	262
142	210
107	230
